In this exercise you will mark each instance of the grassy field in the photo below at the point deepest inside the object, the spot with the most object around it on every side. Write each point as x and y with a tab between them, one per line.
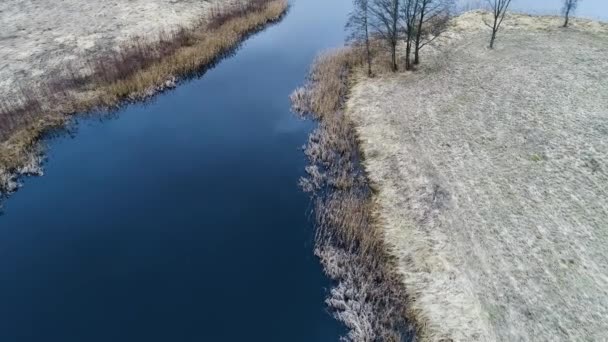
490	178
41	38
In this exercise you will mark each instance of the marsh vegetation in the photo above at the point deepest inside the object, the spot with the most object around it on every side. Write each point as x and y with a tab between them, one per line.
369	296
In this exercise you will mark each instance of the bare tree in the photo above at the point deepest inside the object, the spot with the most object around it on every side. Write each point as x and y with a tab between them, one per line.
433	18
386	24
410	11
498	9
358	24
569	6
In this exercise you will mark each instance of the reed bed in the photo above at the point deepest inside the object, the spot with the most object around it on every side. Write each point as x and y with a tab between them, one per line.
368	296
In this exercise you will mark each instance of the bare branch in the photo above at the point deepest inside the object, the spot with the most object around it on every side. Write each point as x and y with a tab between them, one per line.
431	21
359	26
498	8
386	14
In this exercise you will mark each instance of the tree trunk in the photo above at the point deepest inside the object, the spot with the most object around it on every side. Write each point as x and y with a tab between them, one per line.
416	52
567	18
494	29
394	56
368	53
395	32
408	52
369	59
418	38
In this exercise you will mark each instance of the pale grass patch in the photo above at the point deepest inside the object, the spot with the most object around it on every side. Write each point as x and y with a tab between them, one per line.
491	171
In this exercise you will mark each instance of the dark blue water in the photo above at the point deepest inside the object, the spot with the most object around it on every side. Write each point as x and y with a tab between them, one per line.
180	220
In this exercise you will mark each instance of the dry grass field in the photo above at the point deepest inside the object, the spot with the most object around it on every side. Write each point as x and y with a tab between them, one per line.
490	171
40	37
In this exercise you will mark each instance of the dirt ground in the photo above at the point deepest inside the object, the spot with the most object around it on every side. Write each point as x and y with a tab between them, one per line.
39	37
491	171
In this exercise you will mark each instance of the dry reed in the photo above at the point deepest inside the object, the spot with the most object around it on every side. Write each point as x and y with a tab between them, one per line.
368	296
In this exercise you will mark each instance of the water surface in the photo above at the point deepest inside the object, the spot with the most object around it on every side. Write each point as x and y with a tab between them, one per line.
179	220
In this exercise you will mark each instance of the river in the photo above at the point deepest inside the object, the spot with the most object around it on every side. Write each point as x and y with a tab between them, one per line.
180	219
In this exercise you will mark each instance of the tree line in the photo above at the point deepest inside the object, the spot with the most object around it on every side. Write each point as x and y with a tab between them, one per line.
417	23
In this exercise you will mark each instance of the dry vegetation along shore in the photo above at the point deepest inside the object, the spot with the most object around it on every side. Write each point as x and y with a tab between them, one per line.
369	297
136	68
488	215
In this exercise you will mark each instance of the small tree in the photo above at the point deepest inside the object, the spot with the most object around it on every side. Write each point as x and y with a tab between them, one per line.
386	24
410	11
569	6
358	25
498	9
432	22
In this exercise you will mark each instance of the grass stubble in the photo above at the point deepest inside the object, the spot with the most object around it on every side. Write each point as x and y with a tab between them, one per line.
465	201
136	71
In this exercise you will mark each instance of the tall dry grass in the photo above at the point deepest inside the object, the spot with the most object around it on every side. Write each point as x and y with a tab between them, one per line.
138	69
368	296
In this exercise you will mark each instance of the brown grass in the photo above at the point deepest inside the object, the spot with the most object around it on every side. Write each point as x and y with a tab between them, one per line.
137	70
368	296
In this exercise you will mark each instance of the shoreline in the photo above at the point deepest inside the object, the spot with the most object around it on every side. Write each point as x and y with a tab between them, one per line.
193	51
368	295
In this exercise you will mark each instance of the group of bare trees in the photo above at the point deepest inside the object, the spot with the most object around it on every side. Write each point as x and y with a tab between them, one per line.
498	9
417	23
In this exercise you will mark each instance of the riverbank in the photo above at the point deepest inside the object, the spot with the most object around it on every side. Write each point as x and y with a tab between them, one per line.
480	212
368	297
139	69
